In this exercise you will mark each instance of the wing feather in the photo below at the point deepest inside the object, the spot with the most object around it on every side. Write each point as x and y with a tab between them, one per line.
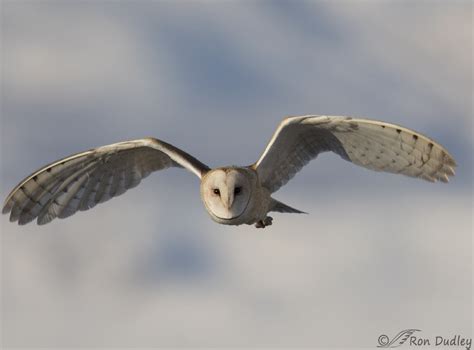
81	181
371	144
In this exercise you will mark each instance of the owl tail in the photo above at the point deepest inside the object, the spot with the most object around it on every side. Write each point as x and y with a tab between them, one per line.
283	208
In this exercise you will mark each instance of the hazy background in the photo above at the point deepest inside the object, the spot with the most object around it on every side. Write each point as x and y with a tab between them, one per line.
378	253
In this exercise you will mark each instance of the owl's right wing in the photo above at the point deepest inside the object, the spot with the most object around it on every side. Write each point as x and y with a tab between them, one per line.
81	181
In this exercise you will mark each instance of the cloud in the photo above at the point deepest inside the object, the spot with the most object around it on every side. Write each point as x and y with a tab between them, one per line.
150	268
295	282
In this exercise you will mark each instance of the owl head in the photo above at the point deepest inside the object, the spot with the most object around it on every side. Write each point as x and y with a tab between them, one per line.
226	192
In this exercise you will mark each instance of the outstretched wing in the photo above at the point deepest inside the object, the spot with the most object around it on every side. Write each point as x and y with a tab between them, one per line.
81	181
372	144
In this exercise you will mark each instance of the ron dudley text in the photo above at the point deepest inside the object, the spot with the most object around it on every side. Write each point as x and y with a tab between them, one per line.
456	340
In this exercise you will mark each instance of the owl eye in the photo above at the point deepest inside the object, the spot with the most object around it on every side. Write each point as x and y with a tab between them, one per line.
237	190
216	191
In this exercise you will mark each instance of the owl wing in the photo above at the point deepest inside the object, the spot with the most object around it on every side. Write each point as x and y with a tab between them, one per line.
81	181
372	144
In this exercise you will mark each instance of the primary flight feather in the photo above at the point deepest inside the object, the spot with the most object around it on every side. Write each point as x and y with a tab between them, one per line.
231	195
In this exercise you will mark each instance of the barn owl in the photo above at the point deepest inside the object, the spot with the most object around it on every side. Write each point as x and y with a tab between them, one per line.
232	195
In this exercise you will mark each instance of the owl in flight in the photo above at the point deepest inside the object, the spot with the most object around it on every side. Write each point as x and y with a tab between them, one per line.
232	195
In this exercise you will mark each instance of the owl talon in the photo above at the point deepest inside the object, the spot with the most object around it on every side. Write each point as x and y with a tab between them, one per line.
264	223
268	221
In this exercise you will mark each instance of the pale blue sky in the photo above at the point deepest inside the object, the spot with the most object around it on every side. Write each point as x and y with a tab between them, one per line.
215	78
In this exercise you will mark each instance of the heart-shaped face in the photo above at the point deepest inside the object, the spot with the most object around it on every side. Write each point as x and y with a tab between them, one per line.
226	192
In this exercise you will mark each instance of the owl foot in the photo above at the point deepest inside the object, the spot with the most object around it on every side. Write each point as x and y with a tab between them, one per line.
264	223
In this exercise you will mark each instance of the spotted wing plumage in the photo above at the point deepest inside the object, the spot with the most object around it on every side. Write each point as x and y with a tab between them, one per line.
81	181
371	144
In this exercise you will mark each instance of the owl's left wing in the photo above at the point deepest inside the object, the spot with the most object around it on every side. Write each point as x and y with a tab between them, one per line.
372	144
81	181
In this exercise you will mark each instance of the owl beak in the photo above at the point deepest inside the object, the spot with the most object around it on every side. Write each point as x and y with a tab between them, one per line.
229	200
